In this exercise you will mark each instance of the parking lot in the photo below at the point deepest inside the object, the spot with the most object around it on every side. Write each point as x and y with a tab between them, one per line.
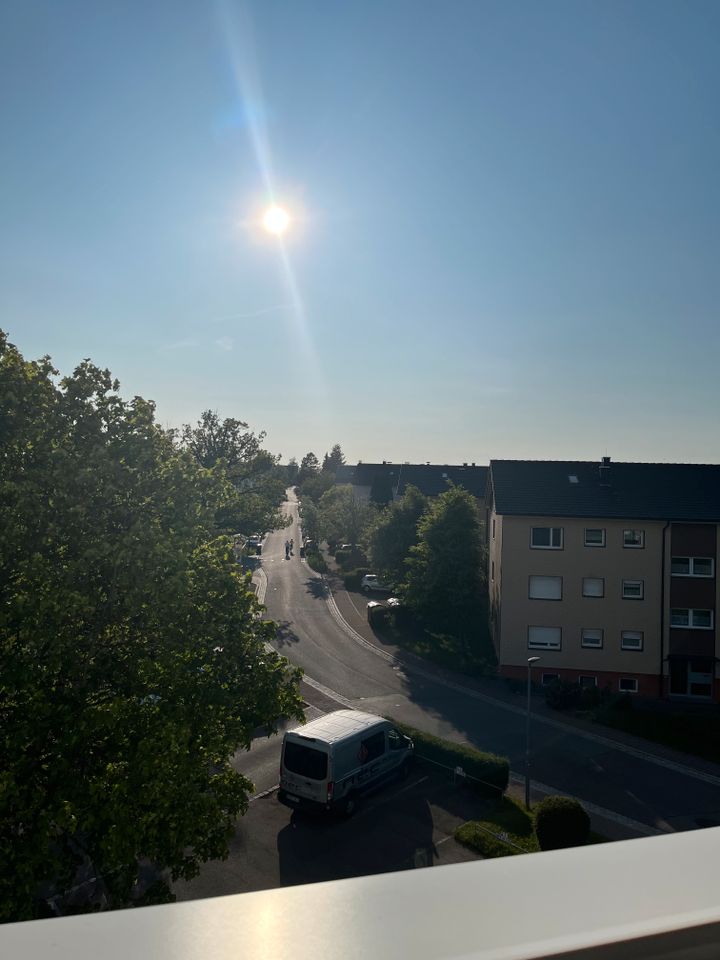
405	825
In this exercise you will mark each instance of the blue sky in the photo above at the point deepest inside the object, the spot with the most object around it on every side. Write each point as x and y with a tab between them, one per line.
507	218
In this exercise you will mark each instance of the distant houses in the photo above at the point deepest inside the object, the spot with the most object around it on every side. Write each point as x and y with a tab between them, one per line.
386	481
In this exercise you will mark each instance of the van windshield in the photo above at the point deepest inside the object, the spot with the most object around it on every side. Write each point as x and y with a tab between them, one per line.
305	761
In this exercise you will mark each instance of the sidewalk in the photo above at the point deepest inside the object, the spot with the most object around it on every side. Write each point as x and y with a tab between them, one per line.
350	603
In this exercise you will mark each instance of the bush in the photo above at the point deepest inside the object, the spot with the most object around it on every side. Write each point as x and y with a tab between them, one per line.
353	578
561	822
505	830
486	772
564	695
316	561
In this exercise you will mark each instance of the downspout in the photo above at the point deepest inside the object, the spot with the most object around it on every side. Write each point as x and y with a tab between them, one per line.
662	612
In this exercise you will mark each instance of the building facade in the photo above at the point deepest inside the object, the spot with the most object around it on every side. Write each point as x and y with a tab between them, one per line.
608	573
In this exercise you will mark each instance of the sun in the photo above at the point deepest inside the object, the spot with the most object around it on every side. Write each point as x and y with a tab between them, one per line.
276	220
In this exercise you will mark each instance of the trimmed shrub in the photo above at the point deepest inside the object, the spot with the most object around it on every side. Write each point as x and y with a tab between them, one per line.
561	822
505	830
486	772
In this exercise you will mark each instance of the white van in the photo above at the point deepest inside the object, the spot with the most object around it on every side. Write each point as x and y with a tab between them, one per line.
330	762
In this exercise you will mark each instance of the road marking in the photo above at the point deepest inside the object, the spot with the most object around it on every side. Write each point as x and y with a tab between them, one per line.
519	711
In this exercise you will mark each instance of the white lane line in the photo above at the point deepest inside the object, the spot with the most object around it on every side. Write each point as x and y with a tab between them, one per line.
519	711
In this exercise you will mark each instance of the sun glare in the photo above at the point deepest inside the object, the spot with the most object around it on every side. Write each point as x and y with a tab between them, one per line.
276	220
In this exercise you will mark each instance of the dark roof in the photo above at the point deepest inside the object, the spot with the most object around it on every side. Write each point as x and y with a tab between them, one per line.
644	491
430	478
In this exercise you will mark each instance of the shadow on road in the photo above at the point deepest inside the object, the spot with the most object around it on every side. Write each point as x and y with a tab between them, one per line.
316	588
285	634
388	833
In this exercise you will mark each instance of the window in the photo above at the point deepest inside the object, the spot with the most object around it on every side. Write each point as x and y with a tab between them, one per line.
545	588
544	638
633	589
591	637
305	761
632	640
692	567
492	569
634	538
593	587
587	681
372	747
628	685
693	619
594	537
493	528
546	538
548	678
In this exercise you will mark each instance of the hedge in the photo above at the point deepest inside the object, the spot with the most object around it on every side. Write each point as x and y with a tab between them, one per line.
486	772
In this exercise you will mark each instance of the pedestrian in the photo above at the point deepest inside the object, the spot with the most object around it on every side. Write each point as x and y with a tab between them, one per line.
287	549
292	545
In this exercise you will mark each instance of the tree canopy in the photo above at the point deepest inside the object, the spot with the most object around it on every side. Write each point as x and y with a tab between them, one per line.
392	534
446	568
342	516
228	446
333	460
132	657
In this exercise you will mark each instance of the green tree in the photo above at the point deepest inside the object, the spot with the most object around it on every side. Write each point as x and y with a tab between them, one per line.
309	467
333	460
292	469
315	486
228	447
393	533
446	569
132	658
343	517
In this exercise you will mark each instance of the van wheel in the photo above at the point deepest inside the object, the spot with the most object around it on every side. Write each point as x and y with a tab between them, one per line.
349	807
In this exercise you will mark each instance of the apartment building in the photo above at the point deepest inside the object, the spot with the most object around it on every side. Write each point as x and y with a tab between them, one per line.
607	572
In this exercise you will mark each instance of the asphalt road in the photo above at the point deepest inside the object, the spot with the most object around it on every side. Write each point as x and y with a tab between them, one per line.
591	768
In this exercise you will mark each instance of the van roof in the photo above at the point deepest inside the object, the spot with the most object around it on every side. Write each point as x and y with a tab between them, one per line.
336	725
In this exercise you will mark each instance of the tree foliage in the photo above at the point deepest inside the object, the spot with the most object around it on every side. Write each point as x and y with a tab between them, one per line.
343	517
132	658
229	447
393	533
333	460
446	568
309	467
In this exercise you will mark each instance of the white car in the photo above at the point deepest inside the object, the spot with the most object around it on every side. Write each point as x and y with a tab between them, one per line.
371	581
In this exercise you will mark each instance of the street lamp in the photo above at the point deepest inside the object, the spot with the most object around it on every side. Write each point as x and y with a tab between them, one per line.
531	661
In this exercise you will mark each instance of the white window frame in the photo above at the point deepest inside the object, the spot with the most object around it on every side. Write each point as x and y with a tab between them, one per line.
633	596
544	645
587	686
551	546
594	596
690	625
627	680
691	567
558	582
634	546
602	532
594	644
635	633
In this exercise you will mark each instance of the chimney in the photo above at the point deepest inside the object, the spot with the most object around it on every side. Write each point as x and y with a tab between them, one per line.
465	464
605	472
473	463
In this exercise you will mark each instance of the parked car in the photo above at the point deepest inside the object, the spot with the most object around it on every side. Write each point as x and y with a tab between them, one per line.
330	762
371	581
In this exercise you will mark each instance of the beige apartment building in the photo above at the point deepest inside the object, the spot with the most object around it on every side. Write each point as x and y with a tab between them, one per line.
607	573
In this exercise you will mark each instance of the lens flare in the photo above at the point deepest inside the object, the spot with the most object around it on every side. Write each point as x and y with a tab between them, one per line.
276	220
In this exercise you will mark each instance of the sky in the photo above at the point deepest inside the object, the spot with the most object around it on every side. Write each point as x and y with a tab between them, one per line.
505	234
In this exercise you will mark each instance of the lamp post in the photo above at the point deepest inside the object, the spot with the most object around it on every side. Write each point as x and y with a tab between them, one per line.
531	661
